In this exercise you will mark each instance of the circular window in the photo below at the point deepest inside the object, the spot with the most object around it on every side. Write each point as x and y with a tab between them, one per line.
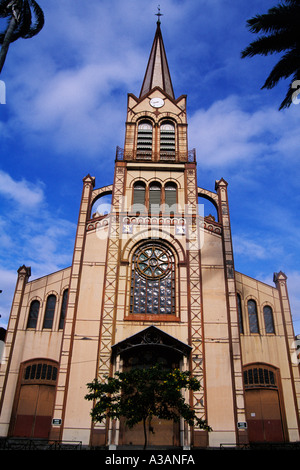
153	261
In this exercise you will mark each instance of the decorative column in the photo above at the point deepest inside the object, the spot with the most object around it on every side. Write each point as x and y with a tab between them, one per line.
23	275
109	304
68	334
233	322
280	280
195	297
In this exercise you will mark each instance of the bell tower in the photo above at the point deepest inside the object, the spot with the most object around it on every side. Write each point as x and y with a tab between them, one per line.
156	125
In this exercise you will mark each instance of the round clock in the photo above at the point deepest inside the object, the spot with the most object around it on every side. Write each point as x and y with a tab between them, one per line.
157	102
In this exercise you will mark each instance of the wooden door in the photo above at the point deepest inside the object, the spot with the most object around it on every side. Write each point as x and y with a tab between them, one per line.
264	416
34	411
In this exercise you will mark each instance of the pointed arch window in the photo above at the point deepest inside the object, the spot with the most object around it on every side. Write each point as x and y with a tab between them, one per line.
170	198
252	315
167	139
269	319
33	314
154	197
63	309
153	280
49	312
239	306
144	139
139	197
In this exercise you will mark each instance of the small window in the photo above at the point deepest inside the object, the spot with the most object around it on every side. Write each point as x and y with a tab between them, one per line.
154	198
170	198
63	310
252	314
239	306
39	371
269	320
49	312
259	377
167	140
144	139
33	314
139	193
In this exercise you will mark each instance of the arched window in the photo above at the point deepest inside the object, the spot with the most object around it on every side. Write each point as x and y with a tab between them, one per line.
167	139
239	305
260	376
49	312
252	315
63	310
269	320
33	314
144	139
153	280
139	197
170	198
154	197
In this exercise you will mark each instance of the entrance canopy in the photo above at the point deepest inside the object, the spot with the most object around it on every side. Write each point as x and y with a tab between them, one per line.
151	337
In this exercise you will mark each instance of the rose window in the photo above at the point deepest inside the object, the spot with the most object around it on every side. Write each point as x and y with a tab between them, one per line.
153	280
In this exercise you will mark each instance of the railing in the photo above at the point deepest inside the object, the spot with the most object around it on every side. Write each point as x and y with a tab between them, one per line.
163	156
23	443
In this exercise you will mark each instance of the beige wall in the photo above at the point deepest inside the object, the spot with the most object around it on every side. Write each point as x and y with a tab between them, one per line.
272	349
25	344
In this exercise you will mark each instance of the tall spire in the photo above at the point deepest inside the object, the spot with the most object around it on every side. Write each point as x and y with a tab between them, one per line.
157	72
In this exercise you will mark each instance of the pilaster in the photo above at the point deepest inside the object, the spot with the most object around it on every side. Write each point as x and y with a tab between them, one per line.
68	335
12	328
233	325
280	280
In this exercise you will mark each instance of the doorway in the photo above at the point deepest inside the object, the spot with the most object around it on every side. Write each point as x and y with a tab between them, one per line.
263	405
34	402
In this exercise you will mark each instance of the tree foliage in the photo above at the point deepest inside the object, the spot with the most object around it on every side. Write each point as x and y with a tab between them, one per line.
25	19
279	29
140	394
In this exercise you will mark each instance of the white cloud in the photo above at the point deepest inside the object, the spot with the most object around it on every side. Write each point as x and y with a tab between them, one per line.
22	192
228	132
8	280
249	248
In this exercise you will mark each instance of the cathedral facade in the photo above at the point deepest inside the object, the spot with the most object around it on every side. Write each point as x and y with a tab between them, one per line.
152	280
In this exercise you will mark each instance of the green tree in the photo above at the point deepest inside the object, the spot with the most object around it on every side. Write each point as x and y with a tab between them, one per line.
140	394
25	19
280	33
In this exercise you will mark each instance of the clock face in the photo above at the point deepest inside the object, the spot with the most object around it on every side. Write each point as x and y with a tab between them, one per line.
157	102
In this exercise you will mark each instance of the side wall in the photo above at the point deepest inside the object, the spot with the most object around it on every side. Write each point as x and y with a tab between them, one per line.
271	349
22	343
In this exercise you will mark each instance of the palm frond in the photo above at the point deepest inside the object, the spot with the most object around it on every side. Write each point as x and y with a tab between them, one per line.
291	93
266	45
281	17
39	20
287	65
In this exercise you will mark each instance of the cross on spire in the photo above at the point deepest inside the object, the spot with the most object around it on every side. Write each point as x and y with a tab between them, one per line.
158	14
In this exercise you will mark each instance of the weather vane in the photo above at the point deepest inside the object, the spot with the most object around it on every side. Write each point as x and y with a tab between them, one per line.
159	14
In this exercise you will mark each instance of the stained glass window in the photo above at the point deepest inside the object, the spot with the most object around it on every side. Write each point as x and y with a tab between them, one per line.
252	313
49	313
239	304
63	309
153	280
269	321
33	314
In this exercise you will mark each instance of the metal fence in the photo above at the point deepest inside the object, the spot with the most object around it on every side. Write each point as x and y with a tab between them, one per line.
11	443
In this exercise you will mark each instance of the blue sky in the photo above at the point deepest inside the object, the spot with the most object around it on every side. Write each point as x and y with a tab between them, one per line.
65	111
